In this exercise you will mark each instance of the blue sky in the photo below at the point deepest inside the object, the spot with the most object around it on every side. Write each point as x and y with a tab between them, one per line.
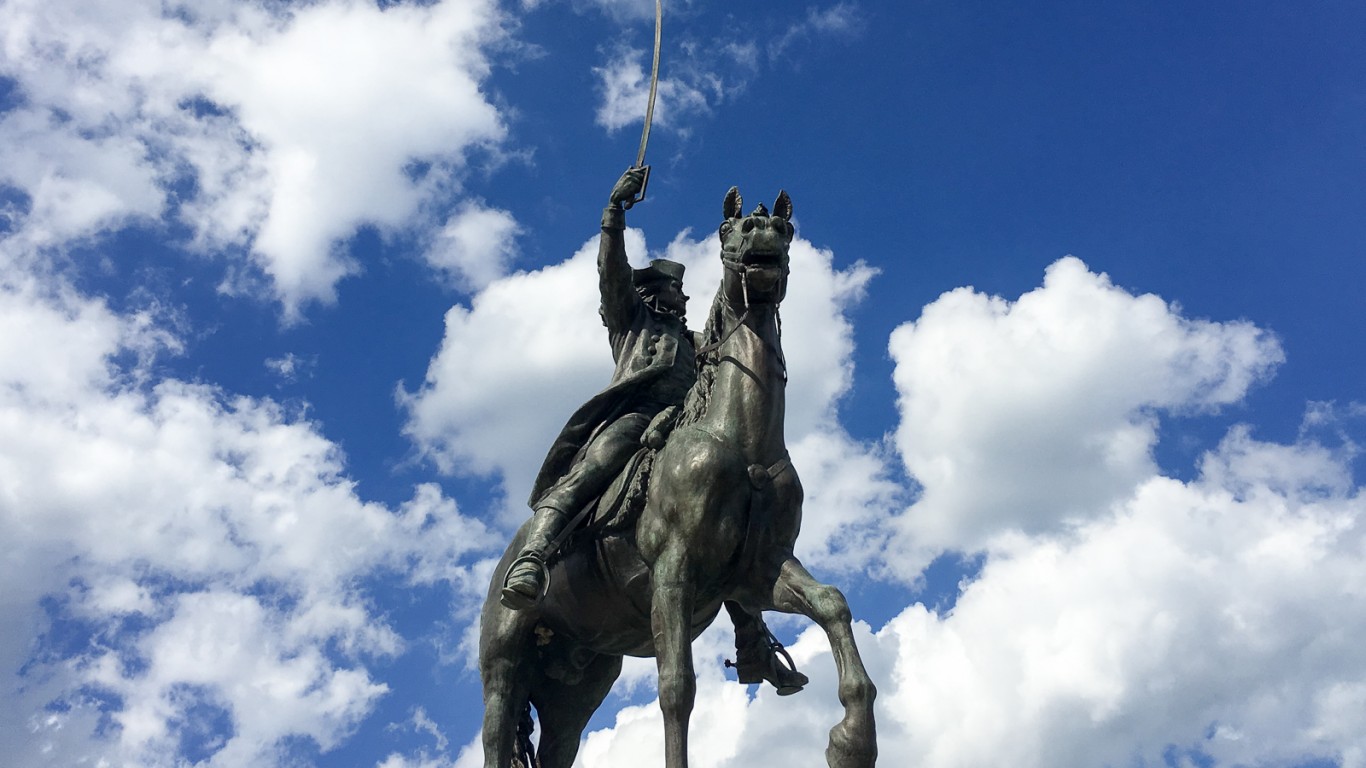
293	297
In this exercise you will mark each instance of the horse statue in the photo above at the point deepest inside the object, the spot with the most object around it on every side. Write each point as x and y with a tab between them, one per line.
722	509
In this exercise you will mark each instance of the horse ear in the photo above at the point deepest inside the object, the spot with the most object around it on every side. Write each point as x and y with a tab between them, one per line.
734	205
782	207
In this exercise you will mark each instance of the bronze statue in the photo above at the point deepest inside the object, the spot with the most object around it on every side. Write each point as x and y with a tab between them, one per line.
703	515
655	367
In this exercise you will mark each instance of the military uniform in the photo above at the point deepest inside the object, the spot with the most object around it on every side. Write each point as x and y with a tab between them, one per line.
655	367
655	357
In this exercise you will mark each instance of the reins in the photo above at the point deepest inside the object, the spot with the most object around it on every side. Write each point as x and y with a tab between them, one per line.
707	349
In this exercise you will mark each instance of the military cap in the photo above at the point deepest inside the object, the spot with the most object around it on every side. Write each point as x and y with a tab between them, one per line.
659	270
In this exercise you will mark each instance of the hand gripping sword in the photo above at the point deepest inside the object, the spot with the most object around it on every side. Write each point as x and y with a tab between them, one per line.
649	110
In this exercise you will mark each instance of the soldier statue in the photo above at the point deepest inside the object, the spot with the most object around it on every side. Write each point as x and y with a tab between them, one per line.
655	356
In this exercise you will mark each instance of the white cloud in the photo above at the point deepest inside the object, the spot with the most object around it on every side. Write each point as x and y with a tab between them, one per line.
291	367
624	85
843	19
211	546
1211	621
294	125
850	496
1215	615
528	350
702	71
475	247
423	725
1026	415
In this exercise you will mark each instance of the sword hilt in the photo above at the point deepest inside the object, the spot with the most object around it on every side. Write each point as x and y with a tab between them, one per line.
644	182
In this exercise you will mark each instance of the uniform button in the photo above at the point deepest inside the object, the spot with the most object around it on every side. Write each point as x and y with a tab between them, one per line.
654	337
650	350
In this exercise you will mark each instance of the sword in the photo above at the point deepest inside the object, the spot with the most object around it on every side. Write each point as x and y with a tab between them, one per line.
649	111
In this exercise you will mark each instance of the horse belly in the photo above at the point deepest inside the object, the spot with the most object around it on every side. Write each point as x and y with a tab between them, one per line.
599	597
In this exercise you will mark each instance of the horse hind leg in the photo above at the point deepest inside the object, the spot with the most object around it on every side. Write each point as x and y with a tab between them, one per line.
853	741
564	710
506	661
505	701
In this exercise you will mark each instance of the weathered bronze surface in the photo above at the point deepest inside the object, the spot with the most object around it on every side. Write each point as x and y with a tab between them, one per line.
720	513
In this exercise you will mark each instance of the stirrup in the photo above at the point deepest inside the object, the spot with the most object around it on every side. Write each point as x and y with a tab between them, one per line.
517	601
786	667
778	662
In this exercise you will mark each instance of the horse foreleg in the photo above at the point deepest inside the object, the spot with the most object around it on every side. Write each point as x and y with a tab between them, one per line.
671	624
853	741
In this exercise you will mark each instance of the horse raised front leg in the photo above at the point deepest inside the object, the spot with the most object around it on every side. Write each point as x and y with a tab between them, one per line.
853	741
671	625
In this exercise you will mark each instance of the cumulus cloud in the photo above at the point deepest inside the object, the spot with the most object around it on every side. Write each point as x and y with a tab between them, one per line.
1210	621
850	495
209	545
1213	616
512	366
270	130
475	246
1026	415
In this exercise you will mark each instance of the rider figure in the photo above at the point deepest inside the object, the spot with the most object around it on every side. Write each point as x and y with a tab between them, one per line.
655	367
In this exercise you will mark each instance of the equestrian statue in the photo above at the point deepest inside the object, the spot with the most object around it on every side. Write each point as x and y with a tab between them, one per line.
667	496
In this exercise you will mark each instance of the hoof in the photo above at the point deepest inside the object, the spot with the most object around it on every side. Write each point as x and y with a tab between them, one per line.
853	744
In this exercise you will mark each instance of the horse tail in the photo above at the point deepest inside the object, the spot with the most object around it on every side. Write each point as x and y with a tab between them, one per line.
526	751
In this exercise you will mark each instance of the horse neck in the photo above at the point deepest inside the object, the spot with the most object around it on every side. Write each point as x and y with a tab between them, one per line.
748	396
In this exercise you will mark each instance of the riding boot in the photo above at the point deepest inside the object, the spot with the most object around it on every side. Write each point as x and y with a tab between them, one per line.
760	657
525	583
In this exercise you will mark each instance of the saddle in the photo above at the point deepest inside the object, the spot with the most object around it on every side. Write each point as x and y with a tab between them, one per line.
616	510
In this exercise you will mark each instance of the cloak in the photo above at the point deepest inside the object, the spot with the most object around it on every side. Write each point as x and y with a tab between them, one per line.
645	346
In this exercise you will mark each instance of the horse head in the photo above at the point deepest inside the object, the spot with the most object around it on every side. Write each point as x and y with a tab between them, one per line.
754	251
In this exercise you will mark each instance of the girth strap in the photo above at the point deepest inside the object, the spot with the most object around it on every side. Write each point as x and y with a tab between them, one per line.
760	503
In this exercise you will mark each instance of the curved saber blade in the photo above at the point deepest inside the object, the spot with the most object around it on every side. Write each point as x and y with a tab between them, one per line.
649	107
654	86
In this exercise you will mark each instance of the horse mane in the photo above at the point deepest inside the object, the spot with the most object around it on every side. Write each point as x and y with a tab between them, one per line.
697	399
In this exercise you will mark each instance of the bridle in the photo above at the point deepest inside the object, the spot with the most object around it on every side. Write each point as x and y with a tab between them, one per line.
736	265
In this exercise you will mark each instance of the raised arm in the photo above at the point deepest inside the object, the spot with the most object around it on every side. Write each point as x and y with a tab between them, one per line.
619	297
